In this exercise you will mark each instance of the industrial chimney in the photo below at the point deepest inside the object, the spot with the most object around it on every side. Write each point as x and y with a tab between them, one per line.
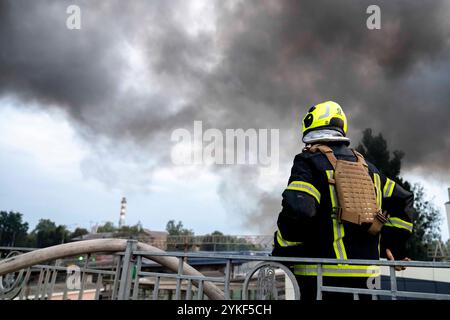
123	211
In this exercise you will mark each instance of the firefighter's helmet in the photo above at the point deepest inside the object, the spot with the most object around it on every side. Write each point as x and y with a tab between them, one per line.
325	115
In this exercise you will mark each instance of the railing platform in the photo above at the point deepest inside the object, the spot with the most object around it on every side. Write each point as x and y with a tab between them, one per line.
128	274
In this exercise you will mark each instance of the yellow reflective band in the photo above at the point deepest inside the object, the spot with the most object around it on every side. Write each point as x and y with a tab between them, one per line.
388	188
377	182
305	187
338	228
285	243
337	270
338	243
399	223
330	175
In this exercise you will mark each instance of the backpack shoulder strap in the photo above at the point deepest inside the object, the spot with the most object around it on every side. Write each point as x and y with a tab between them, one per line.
360	158
327	151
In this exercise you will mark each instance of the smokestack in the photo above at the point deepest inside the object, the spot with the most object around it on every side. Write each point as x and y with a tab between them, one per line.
447	208
123	211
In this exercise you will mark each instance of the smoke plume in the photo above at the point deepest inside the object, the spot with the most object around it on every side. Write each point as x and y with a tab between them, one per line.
137	71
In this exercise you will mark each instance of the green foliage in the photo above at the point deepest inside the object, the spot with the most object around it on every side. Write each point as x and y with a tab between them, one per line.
129	231
375	150
48	234
181	239
78	232
107	227
217	241
13	232
427	223
426	231
177	229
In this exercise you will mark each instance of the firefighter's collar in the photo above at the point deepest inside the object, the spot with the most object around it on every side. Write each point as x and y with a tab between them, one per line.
324	135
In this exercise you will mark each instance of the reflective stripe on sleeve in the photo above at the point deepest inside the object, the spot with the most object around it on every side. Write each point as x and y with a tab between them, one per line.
285	243
377	182
337	270
306	188
388	188
399	223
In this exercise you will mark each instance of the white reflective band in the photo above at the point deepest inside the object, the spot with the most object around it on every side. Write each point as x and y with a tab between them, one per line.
399	223
285	243
388	188
337	270
305	187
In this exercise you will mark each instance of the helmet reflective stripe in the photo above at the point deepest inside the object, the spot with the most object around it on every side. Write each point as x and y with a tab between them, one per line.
305	187
399	223
328	114
337	270
388	188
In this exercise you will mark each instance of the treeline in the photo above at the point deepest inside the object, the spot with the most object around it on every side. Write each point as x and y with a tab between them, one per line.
182	239
14	232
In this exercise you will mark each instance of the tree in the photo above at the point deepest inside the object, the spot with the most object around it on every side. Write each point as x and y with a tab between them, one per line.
13	232
107	227
375	150
78	232
177	229
427	222
426	231
129	231
179	238
48	234
217	241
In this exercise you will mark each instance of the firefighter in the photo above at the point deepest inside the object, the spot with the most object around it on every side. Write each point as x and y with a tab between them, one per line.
339	206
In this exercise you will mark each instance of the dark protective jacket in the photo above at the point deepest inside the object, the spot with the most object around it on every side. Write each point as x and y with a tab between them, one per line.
307	224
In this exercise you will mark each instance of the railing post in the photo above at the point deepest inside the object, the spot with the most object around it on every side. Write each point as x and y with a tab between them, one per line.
319	282
227	280
125	277
179	279
136	279
393	282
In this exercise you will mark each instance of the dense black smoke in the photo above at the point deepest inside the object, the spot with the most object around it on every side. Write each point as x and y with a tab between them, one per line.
262	64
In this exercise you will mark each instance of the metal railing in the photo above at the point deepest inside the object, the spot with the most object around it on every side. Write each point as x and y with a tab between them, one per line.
133	275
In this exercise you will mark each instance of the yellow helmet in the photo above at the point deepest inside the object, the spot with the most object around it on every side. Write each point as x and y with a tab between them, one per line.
325	115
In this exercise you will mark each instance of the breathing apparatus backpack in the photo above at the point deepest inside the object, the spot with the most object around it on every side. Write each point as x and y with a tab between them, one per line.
356	194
